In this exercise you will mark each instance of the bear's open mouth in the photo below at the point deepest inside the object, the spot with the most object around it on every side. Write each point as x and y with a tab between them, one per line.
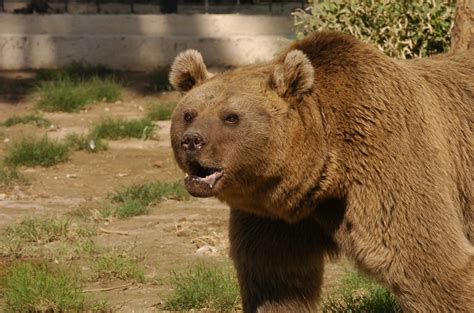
200	180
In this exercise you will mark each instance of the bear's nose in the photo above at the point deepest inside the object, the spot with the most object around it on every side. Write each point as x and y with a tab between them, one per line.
192	142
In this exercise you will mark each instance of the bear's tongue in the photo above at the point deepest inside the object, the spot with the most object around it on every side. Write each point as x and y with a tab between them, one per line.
201	186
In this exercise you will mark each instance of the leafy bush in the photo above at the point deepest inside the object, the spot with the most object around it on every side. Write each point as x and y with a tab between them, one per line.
402	29
358	294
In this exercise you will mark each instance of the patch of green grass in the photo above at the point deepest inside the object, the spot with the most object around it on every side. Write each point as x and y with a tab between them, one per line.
159	80
130	208
358	294
121	265
89	142
26	119
31	151
69	96
151	192
87	247
9	175
43	230
161	111
75	72
204	286
31	287
120	128
107	211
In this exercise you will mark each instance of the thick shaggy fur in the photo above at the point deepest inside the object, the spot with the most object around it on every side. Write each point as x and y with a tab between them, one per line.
341	149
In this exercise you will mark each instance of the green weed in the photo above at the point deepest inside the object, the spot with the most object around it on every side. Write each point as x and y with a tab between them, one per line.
35	288
10	175
204	286
26	119
161	111
118	128
159	80
88	143
70	96
75	72
151	192
130	208
43	230
31	151
358	294
116	264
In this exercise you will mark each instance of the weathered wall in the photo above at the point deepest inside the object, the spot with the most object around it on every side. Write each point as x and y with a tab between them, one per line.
138	42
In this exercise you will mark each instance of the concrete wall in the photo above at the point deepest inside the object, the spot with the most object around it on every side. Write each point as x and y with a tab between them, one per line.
138	42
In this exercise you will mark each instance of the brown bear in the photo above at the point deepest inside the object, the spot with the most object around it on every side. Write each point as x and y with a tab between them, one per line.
332	148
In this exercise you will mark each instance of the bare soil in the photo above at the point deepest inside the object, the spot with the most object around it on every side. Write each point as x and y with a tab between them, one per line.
174	234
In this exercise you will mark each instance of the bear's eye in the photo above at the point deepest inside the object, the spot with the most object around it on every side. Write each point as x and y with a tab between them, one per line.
232	118
188	117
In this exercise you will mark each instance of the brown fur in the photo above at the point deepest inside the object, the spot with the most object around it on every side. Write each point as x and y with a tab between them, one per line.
340	148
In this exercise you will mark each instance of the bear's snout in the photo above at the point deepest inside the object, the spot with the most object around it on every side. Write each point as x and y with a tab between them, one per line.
192	143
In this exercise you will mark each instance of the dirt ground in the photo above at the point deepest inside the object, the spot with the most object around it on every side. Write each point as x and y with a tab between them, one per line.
168	239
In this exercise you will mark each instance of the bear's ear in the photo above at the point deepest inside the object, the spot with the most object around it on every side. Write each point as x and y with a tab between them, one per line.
188	69
293	77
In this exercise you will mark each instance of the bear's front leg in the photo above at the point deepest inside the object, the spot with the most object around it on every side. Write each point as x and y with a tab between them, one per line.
279	265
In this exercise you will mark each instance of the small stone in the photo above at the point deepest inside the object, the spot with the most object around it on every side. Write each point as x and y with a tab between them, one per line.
206	250
6	140
158	164
71	176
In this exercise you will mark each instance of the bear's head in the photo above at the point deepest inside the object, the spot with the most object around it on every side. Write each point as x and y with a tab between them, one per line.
253	137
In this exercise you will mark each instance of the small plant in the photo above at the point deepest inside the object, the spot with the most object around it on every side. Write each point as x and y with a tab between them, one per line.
159	80
116	264
204	287
69	96
87	247
31	151
130	208
75	72
89	142
40	230
161	111
26	119
151	192
106	211
33	287
359	294
402	29
9	175
118	129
